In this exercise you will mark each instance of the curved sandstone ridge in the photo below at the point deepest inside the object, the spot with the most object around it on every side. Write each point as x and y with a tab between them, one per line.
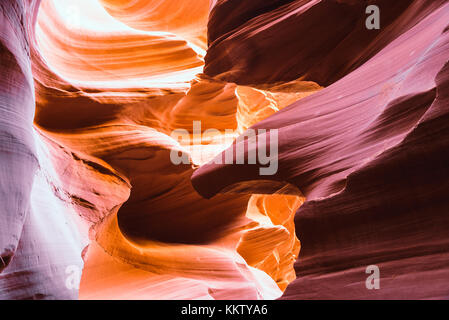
370	154
94	207
253	42
185	18
112	54
107	98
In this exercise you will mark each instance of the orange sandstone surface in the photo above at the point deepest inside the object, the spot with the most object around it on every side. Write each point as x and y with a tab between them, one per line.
113	79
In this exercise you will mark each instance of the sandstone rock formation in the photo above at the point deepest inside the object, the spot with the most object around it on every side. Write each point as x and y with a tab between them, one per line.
93	207
369	153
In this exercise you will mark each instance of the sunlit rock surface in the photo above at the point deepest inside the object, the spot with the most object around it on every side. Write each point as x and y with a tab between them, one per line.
106	98
93	207
182	17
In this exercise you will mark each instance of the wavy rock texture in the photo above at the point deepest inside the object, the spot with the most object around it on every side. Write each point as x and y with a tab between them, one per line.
107	96
182	17
89	184
316	40
369	153
39	233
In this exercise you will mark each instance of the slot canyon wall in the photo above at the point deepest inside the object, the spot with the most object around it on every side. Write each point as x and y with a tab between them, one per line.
93	207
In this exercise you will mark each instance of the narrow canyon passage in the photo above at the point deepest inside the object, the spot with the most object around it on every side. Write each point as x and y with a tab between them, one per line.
135	86
98	97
